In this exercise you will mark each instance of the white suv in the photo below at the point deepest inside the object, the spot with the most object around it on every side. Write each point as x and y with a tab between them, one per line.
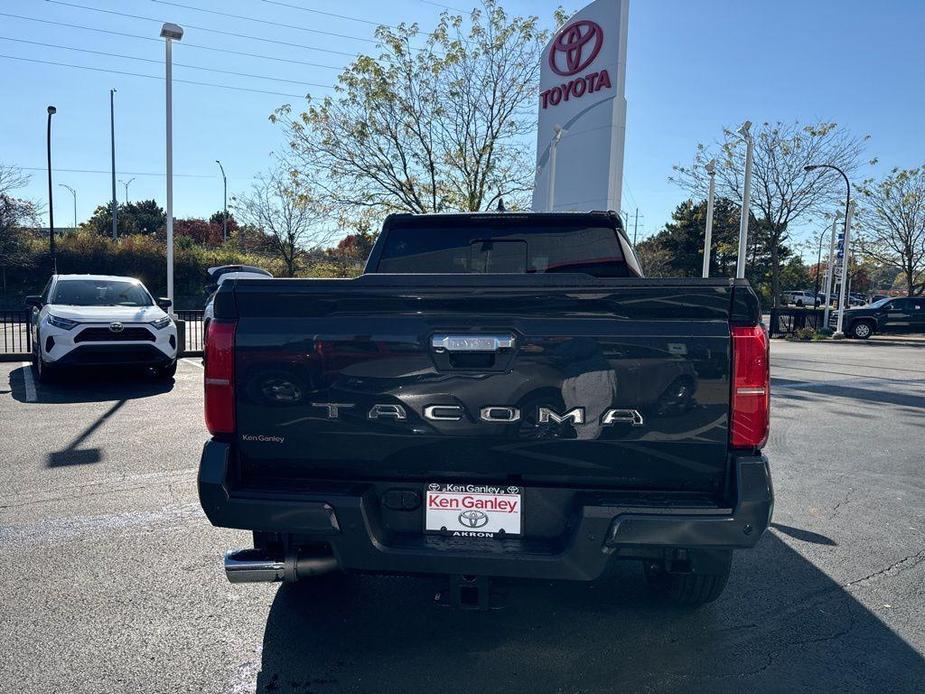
101	320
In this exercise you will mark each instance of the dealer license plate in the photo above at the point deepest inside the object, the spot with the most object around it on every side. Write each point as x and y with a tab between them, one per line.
473	510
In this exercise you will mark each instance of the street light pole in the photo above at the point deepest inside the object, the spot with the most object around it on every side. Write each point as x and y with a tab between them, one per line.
126	184
848	208
746	198
170	33
551	192
708	231
112	136
225	204
74	193
51	201
829	271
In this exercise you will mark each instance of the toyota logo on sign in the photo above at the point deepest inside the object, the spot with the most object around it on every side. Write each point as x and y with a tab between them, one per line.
473	518
576	47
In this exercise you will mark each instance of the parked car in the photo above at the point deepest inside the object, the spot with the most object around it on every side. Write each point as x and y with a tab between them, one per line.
223	273
532	407
101	320
905	314
802	298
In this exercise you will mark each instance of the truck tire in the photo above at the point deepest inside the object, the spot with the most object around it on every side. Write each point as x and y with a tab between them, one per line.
861	329
687	589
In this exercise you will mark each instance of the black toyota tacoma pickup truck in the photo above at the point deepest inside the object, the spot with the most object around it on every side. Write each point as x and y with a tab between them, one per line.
499	395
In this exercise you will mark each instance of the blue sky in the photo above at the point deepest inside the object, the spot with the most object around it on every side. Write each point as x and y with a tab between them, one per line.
693	66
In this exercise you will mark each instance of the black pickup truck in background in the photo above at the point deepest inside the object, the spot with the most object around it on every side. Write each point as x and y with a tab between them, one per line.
499	395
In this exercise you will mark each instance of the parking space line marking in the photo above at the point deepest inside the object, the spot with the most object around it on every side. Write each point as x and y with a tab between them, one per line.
30	384
189	360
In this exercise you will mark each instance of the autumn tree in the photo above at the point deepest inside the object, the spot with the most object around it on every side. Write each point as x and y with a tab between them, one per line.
893	228
783	192
292	223
438	121
16	216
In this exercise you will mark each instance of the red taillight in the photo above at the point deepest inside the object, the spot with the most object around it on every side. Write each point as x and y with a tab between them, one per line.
751	387
219	377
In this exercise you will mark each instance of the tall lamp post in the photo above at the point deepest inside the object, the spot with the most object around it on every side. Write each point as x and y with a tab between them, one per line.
848	209
74	193
225	204
746	197
112	137
553	147
708	231
126	184
51	201
170	33
829	269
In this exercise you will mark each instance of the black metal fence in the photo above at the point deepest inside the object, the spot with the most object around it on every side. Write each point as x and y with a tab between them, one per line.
16	333
788	320
192	343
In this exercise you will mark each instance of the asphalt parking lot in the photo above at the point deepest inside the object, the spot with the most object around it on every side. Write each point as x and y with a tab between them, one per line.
112	577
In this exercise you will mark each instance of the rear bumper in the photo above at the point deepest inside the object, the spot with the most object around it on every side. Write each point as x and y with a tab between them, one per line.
345	518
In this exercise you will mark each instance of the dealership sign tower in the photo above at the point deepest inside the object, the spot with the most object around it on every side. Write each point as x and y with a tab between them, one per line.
582	112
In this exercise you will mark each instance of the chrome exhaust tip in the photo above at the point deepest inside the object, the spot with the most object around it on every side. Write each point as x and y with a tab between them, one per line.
256	566
253	566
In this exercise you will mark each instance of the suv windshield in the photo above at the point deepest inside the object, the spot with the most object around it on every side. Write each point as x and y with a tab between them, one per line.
512	247
87	292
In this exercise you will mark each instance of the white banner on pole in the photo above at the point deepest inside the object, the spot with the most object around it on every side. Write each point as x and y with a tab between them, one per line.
582	94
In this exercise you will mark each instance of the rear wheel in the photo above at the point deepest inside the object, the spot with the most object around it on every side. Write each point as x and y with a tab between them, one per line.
861	329
689	589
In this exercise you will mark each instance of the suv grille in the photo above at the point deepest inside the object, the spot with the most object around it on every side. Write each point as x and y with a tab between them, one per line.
107	335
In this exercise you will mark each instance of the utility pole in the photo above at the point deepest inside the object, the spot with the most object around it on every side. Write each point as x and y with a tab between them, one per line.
112	135
635	227
51	201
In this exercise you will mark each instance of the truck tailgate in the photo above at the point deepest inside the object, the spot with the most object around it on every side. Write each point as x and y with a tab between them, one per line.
515	379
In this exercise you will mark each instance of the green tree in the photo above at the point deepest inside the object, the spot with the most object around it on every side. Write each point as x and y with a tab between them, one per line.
893	231
439	121
783	192
141	217
682	241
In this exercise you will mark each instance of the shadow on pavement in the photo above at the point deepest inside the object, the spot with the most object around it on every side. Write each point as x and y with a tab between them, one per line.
782	625
89	385
786	389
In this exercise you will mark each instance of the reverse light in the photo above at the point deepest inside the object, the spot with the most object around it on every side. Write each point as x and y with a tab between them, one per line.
63	323
751	387
219	377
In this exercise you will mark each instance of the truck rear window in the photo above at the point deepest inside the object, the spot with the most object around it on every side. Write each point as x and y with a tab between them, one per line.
517	248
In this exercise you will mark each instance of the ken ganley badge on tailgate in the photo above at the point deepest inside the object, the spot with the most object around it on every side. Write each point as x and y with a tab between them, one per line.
473	510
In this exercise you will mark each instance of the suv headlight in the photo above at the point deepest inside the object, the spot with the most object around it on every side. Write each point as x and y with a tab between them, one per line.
161	323
63	323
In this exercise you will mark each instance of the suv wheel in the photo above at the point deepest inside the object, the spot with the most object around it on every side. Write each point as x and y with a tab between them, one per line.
43	372
688	589
861	329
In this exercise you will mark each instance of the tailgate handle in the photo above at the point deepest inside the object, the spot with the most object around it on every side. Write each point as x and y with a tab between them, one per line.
471	343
